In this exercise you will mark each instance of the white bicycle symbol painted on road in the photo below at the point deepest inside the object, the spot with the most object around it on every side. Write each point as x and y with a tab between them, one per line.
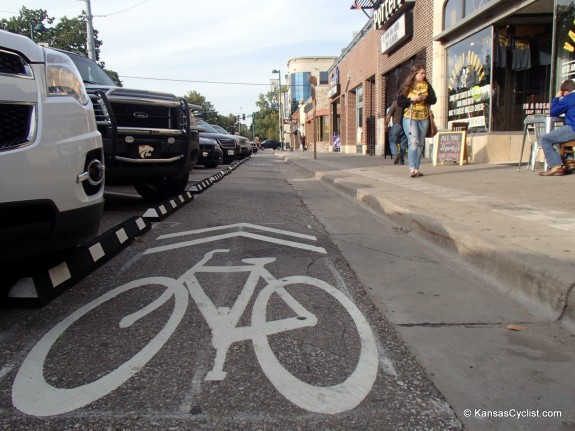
32	394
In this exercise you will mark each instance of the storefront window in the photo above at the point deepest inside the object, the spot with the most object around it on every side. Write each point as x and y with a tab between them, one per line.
359	106
456	10
521	73
565	43
469	82
323	128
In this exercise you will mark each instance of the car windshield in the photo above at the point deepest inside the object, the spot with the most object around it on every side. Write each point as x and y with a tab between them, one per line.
220	129
208	127
91	72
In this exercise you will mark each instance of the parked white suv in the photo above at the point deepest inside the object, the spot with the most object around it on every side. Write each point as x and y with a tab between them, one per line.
51	174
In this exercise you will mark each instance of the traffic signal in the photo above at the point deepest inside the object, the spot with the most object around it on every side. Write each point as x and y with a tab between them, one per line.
244	117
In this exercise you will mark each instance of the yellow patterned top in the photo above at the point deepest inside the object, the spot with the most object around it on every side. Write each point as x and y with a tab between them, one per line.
418	110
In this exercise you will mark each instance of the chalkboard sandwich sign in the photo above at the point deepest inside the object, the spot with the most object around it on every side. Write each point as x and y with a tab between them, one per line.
449	147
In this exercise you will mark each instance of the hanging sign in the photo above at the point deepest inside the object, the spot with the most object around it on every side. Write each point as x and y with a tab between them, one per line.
398	33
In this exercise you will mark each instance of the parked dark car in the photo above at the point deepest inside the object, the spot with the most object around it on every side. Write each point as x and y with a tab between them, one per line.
211	154
229	145
270	143
245	147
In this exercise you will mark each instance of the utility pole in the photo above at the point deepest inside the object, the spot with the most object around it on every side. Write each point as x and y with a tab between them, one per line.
280	106
90	32
312	80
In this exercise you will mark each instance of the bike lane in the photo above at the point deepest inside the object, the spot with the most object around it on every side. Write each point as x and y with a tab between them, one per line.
224	325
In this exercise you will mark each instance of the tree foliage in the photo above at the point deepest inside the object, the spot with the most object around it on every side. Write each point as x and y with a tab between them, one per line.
266	122
69	33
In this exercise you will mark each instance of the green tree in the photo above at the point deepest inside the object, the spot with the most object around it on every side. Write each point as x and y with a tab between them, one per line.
69	33
208	110
266	122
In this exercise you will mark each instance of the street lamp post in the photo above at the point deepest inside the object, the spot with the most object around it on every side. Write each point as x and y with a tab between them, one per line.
279	106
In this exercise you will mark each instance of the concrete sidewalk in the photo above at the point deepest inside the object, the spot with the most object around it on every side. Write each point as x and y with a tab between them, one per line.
514	227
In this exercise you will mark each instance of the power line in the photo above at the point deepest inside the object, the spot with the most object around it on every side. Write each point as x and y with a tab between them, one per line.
205	82
192	80
123	10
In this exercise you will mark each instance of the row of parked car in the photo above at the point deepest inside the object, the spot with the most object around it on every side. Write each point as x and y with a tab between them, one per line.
218	146
67	130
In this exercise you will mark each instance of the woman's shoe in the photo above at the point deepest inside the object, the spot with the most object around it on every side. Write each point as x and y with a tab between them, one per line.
412	173
555	171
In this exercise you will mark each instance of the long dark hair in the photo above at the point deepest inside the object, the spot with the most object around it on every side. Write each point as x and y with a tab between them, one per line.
410	80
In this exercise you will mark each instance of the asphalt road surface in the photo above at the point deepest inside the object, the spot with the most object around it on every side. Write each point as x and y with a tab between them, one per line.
236	312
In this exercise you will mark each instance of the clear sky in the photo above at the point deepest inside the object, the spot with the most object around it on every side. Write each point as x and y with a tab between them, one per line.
183	42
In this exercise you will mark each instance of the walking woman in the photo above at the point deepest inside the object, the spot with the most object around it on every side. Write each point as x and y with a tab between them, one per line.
415	96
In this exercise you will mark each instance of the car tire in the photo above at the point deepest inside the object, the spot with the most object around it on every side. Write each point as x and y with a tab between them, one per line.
211	165
159	189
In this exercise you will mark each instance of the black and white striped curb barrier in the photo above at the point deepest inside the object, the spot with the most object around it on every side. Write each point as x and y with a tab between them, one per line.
168	207
45	284
48	283
201	186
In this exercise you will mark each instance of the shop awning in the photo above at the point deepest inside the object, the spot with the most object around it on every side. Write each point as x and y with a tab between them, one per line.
365	4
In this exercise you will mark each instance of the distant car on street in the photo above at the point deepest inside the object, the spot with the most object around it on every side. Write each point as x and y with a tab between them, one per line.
270	143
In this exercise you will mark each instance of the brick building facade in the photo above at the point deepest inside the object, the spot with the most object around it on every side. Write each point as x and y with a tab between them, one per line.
492	63
365	71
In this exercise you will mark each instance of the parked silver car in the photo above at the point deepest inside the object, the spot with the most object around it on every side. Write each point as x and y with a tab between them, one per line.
51	171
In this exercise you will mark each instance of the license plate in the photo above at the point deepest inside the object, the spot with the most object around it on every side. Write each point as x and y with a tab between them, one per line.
230	152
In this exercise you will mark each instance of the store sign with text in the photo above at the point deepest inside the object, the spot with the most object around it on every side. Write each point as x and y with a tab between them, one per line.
334	91
398	33
389	9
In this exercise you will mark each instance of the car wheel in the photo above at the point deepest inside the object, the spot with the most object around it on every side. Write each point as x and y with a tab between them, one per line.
211	165
159	189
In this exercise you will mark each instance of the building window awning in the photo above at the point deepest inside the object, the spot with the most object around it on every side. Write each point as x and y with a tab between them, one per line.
365	4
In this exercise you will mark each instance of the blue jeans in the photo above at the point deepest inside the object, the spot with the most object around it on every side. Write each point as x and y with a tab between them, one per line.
416	131
557	136
396	135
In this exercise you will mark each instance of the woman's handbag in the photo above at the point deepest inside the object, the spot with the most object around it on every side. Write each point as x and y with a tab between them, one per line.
432	129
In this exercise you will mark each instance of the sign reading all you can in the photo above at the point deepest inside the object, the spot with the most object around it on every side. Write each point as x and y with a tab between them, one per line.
449	147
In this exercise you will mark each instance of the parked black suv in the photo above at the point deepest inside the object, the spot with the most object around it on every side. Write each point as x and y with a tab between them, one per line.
147	138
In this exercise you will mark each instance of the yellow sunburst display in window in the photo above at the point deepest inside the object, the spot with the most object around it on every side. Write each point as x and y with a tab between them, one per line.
567	46
465	65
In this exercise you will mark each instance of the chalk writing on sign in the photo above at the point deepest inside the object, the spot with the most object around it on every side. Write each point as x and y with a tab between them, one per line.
449	147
